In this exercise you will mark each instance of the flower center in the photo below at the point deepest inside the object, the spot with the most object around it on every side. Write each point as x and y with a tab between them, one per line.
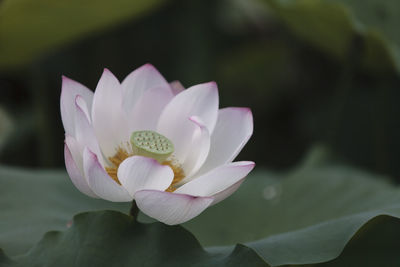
148	144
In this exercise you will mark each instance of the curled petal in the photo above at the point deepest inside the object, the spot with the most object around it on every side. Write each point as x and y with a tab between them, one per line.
218	197
76	150
84	132
200	147
199	100
100	182
171	208
233	129
70	89
217	180
76	175
139	173
137	82
109	120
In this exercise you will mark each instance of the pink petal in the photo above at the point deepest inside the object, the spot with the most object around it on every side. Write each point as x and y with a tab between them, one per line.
217	180
176	87
170	208
75	174
233	129
145	114
100	182
69	90
109	120
137	82
139	173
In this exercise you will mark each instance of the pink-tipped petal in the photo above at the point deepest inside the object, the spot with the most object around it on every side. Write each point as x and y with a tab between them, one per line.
233	129
140	173
100	182
138	81
69	90
199	100
217	180
109	121
75	174
145	114
176	87
200	146
171	208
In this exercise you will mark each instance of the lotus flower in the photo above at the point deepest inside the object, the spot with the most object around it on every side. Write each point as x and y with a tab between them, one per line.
168	148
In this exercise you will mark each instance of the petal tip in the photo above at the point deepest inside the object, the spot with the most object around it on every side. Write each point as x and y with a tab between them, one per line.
65	80
149	66
107	71
213	85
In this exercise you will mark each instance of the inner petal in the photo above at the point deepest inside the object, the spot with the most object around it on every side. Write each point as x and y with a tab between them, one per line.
148	144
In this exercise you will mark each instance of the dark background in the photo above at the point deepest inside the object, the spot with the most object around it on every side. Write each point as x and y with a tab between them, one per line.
313	72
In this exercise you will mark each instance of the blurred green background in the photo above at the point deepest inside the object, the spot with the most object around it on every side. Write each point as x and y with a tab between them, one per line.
312	71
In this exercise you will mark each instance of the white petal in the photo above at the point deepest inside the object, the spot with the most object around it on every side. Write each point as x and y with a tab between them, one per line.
70	89
139	81
233	129
145	114
139	173
199	100
77	177
84	132
217	180
176	87
109	120
170	208
100	182
199	148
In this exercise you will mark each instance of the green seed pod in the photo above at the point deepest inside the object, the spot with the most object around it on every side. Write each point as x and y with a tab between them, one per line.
151	144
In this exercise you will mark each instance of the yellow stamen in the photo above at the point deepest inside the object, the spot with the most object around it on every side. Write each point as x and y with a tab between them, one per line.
116	160
122	154
178	174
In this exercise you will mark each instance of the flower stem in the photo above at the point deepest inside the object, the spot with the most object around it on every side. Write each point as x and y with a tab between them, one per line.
134	211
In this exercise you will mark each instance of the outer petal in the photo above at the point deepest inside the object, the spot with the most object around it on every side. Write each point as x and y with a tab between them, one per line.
109	120
217	180
199	100
145	114
100	182
75	174
170	208
200	147
69	90
139	173
233	129
139	81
